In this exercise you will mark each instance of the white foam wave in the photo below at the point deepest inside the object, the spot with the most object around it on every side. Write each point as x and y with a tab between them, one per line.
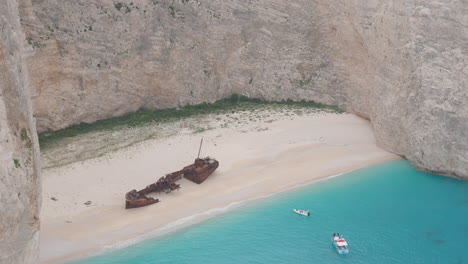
197	218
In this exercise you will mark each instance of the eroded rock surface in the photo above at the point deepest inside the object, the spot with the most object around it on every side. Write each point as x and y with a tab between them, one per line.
400	63
19	150
418	78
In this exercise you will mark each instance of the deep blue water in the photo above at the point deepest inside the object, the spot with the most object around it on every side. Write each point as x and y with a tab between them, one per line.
389	213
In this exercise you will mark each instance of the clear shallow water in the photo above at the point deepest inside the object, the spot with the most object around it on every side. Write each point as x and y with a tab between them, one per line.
389	213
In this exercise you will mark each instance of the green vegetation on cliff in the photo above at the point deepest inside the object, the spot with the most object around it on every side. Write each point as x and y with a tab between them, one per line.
146	116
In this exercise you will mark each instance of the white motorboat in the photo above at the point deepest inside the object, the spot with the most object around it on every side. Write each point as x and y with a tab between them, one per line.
302	212
340	243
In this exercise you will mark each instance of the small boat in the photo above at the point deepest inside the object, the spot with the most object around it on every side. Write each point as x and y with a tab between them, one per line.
340	243
302	212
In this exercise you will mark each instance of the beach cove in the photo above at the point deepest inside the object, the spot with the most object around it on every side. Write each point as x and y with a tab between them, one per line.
257	159
387	212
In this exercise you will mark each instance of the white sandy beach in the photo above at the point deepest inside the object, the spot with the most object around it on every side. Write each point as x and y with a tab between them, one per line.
256	159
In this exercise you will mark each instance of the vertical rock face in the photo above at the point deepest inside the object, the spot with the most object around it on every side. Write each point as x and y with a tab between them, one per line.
19	151
96	59
418	67
400	63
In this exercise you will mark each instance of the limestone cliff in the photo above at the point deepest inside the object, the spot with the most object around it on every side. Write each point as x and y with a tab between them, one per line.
400	63
416	79
19	151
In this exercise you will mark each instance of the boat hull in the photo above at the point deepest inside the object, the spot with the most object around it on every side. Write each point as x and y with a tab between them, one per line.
134	199
196	172
200	170
341	251
139	203
340	244
302	212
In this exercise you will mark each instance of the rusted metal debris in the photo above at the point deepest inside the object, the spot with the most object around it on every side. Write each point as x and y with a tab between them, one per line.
196	172
134	199
200	169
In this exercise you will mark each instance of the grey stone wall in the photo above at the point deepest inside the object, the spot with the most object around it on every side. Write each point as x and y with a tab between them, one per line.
19	150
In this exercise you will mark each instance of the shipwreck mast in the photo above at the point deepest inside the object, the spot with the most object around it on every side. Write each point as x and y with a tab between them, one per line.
199	150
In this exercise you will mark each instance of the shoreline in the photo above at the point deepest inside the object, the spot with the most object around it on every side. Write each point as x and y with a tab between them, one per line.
253	165
192	220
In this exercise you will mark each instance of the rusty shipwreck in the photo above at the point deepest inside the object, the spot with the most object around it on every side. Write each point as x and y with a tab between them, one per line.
196	172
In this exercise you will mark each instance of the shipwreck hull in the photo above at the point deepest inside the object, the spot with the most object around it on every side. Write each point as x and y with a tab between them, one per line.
134	199
140	203
198	173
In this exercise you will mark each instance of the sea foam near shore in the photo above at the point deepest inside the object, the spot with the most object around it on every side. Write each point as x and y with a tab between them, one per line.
390	213
198	218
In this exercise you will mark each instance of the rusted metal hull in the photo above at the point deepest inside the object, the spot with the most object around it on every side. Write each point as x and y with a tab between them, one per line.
134	199
162	185
196	172
200	170
140	203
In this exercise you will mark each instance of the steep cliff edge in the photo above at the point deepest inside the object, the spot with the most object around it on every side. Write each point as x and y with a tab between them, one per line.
402	64
19	150
418	65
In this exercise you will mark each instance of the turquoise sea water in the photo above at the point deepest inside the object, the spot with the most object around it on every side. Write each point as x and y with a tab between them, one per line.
389	213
